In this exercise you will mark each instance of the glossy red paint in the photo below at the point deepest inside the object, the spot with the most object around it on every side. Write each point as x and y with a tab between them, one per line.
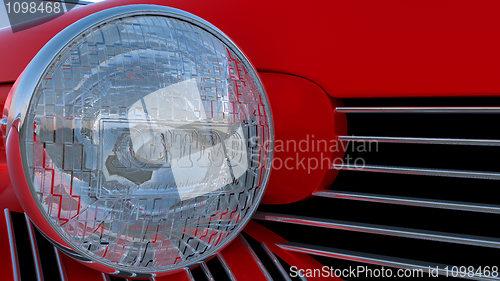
4	91
8	198
303	147
179	276
301	261
350	48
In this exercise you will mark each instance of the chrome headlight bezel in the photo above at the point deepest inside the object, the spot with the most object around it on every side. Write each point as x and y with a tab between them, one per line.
21	98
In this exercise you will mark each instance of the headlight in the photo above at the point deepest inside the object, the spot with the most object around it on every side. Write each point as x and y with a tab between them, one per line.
145	138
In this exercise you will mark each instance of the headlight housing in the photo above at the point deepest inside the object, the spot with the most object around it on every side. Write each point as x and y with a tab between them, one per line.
145	139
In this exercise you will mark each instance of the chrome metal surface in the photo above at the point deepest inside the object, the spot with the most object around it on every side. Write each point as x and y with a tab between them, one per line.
448	139
29	80
420	171
226	267
33	73
375	259
382	230
419	202
255	258
12	244
421	140
3	125
451	109
60	265
189	274
34	249
207	272
276	262
105	277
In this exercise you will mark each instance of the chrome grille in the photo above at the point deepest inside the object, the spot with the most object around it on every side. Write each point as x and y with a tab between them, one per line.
370	216
446	204
35	258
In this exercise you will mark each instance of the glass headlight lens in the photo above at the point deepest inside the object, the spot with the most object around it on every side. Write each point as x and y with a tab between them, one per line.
148	142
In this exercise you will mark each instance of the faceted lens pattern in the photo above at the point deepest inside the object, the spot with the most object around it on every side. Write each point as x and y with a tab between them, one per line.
148	143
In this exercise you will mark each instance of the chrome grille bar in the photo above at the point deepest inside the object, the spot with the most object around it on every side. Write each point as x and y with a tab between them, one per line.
34	249
189	274
60	265
425	109
255	258
409	201
12	244
207	272
226	267
420	171
421	140
276	262
382	230
377	260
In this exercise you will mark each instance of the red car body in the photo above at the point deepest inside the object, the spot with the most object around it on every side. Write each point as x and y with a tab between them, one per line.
311	56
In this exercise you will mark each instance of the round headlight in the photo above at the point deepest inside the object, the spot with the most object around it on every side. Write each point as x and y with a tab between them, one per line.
145	138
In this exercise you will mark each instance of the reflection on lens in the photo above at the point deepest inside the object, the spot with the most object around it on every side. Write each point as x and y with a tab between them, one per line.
148	143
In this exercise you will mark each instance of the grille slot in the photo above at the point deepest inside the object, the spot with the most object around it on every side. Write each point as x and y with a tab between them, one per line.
217	270
226	268
407	201
34	249
207	272
47	254
421	140
199	274
432	180
382	230
373	259
453	206
25	255
273	264
421	171
256	258
276	262
39	260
